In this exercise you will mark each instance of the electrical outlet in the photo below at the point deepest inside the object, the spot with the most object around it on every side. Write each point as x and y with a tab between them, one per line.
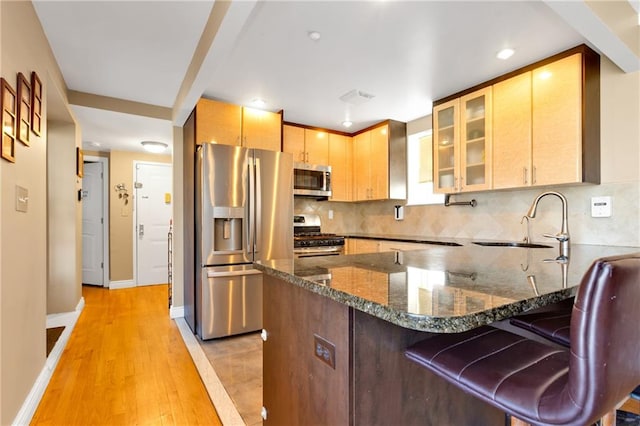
600	206
324	350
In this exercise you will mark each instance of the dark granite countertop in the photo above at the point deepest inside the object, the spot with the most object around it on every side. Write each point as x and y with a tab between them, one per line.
444	289
411	239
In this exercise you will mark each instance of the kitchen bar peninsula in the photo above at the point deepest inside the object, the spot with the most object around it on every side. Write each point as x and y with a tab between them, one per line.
337	327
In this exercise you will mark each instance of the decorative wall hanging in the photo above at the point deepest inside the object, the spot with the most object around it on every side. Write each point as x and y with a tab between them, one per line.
36	103
79	162
24	109
8	109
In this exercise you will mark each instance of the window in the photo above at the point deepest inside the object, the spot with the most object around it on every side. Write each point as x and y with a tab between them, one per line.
420	170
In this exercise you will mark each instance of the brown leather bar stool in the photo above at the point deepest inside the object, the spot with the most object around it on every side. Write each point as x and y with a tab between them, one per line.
544	385
553	323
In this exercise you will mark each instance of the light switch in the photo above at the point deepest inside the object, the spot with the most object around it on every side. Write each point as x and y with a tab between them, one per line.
22	199
600	206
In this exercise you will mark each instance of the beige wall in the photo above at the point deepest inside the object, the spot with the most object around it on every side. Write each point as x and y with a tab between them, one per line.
121	214
23	236
64	287
498	214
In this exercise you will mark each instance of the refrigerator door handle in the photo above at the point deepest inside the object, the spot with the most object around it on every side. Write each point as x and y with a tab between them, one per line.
250	208
211	274
258	207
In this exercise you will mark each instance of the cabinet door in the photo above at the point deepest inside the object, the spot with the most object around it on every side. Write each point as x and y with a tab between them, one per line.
475	141
316	144
512	132
341	160
361	156
557	122
218	122
445	146
365	246
293	142
379	163
261	129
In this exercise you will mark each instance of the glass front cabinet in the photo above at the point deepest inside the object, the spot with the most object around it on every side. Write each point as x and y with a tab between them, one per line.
462	143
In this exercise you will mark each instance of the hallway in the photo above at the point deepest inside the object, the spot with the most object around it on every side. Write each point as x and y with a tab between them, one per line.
125	363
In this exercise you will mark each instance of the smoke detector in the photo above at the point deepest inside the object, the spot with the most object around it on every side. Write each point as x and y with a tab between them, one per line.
356	97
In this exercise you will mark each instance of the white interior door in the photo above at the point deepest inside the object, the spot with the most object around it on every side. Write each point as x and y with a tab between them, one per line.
153	216
92	225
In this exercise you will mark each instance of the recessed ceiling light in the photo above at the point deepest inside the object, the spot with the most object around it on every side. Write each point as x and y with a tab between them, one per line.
155	147
505	54
314	35
347	123
257	102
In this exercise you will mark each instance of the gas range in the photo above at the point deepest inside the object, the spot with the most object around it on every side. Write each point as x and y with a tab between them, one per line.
309	241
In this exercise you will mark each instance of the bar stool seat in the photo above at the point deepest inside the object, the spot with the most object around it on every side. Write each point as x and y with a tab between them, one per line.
541	384
553	323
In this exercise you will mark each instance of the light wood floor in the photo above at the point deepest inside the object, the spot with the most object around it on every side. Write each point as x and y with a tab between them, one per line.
125	363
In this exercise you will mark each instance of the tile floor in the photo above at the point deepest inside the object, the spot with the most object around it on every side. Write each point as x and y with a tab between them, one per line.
237	360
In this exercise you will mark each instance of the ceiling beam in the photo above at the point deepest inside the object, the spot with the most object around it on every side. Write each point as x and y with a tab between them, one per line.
118	105
612	29
226	21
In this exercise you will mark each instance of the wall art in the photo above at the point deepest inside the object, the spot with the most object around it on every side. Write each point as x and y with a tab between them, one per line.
8	108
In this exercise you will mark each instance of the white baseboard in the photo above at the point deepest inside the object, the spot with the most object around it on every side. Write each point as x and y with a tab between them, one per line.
67	320
176	312
115	285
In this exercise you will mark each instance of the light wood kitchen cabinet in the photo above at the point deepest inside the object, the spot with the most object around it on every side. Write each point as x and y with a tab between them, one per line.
371	164
309	146
546	124
462	143
367	245
229	124
341	162
261	129
361	245
218	122
512	132
557	122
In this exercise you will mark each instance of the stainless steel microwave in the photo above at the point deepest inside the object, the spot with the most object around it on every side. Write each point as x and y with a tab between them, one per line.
311	180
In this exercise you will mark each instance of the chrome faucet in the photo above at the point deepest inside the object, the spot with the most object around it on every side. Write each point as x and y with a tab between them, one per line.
527	237
563	235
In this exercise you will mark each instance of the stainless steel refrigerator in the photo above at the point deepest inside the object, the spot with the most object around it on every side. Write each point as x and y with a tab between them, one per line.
244	212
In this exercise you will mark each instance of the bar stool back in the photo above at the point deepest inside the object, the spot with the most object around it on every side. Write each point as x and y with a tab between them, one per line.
543	385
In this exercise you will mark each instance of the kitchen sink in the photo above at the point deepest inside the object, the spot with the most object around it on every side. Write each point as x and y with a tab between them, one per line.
510	244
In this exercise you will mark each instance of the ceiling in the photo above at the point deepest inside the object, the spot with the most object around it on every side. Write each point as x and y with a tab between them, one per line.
405	54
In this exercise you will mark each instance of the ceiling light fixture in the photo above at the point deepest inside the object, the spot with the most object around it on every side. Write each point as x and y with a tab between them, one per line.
505	54
347	123
257	102
155	147
314	35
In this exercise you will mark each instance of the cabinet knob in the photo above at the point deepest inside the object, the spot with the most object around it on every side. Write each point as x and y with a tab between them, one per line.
263	335
263	413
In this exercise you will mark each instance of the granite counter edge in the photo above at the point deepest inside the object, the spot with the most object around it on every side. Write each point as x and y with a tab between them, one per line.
426	323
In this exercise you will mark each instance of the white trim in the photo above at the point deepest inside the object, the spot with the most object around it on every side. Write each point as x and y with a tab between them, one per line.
176	312
116	285
221	400
105	215
31	402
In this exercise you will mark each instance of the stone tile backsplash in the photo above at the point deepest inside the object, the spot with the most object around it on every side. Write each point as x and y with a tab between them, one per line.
497	216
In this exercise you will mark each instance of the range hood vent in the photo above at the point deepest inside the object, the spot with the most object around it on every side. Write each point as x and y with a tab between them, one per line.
356	97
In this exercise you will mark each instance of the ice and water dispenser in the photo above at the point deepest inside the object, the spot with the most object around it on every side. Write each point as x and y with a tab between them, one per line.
227	229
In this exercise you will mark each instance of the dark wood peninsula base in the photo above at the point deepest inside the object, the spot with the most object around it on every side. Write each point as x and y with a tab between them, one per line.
372	382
